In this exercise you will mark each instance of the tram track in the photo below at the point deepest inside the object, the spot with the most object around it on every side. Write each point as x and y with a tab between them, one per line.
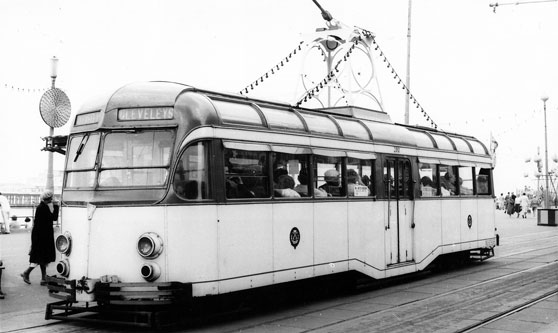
426	310
516	309
455	306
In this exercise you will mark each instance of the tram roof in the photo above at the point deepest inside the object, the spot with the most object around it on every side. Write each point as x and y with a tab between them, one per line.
202	107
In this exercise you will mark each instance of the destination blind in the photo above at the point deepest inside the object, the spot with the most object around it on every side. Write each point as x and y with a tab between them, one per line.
160	113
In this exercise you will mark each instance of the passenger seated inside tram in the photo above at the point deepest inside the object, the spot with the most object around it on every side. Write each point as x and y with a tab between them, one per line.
427	187
236	189
331	186
278	172
366	180
356	187
482	184
284	187
302	188
448	184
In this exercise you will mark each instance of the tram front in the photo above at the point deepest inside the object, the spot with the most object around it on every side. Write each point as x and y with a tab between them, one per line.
118	162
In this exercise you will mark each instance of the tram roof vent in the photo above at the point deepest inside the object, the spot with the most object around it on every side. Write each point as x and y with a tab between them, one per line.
361	113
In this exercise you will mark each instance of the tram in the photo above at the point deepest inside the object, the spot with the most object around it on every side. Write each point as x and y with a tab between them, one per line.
172	193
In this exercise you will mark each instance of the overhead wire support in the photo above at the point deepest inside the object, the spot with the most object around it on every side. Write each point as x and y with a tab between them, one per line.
496	4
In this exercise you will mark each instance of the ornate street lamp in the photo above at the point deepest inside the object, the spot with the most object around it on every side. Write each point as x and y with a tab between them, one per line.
55	109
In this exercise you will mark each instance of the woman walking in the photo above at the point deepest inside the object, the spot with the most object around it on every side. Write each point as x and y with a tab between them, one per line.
42	237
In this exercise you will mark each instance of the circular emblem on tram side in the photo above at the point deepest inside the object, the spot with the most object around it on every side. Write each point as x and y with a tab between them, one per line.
469	221
294	237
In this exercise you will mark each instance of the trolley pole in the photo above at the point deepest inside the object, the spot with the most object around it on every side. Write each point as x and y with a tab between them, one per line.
547	192
50	175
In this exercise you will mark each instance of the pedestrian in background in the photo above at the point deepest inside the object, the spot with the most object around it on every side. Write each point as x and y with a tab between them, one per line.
5	213
507	199
517	207
525	205
511	205
42	237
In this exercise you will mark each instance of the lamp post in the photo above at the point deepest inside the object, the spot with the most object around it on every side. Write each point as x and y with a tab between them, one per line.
544	98
538	168
408	75
50	175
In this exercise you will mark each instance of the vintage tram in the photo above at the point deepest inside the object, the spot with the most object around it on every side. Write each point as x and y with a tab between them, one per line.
172	193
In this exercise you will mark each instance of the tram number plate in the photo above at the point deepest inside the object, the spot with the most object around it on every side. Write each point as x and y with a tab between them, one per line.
491	242
396	149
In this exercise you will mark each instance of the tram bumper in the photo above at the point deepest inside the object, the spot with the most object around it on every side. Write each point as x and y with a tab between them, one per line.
109	290
138	300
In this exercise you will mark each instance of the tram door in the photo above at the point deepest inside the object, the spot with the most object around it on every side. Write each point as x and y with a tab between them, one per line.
399	230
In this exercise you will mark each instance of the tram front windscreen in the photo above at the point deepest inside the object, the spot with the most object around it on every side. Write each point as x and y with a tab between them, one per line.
126	159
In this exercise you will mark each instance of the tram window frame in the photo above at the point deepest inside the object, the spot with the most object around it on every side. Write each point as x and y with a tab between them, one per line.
238	113
447	181
324	169
464	171
83	153
283	119
202	188
259	186
289	171
126	175
362	187
399	185
389	179
486	174
429	187
405	176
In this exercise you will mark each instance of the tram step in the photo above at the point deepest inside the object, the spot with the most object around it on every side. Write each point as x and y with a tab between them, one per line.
481	254
402	264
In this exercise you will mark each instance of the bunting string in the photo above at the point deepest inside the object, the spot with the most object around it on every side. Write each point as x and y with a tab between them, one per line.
398	78
15	88
282	63
336	86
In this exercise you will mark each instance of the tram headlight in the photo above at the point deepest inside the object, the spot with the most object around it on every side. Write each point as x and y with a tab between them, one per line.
150	271
150	245
63	268
64	243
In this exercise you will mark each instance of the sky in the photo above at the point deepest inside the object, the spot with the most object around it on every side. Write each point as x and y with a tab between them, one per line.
474	71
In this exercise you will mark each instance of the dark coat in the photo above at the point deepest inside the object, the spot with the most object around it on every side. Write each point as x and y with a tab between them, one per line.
42	235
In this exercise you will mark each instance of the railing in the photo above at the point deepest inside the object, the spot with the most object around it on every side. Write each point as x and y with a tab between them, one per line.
25	199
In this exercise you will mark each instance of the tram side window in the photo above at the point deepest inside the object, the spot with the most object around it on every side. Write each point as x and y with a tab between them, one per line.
191	179
287	171
360	178
404	179
466	180
447	180
246	174
328	180
389	179
428	180
483	181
